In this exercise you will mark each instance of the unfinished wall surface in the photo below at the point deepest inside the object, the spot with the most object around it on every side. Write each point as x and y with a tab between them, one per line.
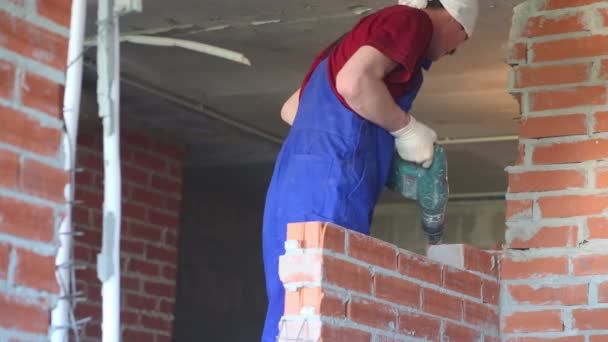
220	272
152	183
555	270
345	286
33	49
476	223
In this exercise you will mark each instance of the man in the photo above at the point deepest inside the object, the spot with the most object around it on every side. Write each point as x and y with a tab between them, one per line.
349	115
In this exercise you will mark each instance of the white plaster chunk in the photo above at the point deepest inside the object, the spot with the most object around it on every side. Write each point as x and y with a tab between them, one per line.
452	255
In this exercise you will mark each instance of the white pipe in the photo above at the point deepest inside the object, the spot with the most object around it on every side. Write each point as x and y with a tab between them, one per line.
108	98
493	138
185	44
189	45
61	316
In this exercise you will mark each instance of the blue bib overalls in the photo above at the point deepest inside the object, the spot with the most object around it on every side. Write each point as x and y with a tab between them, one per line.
332	167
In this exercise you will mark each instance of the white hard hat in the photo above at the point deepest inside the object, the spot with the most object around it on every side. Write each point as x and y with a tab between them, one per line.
464	11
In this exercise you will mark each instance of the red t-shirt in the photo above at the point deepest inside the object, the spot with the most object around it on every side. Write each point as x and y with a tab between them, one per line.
400	32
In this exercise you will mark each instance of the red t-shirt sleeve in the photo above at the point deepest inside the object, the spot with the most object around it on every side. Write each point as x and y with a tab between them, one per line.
403	35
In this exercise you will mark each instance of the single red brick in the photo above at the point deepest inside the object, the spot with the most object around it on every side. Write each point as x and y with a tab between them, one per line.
566	98
19	314
517	53
548	339
347	275
480	261
534	76
135	175
91	310
130	283
134	211
598	228
323	235
128	317
521	269
18	129
166	185
44	181
590	264
26	220
166	306
9	172
519	209
165	219
159	289
462	282
601	118
131	334
169	272
42	94
143	267
441	304
372	251
144	231
544	26
490	292
397	290
324	302
89	198
156	323
421	326
7	79
579	47
36	271
419	267
590	319
598	338
572	205
559	295
168	254
535	181
481	316
571	152
132	247
546	237
33	41
141	302
373	314
601	177
521	154
55	10
149	198
454	332
533	321
4	260
170	238
333	333
602	292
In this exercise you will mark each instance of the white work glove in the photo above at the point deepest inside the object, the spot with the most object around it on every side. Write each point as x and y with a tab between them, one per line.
415	142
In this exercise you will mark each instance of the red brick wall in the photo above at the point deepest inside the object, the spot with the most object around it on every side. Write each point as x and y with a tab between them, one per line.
344	286
555	271
33	49
152	184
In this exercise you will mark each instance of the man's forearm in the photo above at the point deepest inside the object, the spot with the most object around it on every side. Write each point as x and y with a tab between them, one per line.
369	97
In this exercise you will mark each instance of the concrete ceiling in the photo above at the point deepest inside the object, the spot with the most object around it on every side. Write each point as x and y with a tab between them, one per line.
464	95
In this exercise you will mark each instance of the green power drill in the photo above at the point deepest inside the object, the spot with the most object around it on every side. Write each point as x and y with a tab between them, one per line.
428	187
